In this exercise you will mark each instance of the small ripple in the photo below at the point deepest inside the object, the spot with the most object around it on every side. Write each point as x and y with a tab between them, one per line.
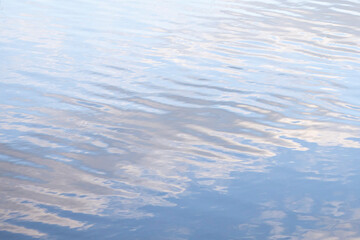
104	113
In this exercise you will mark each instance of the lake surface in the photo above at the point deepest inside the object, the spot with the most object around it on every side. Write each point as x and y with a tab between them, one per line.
199	120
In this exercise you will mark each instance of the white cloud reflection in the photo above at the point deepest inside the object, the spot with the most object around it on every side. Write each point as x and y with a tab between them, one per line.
184	99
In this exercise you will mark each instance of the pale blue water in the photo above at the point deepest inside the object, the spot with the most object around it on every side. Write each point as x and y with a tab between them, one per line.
199	120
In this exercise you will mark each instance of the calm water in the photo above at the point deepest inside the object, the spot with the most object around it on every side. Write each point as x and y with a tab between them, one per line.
199	120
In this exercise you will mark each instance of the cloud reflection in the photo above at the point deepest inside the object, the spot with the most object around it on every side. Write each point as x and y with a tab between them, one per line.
106	121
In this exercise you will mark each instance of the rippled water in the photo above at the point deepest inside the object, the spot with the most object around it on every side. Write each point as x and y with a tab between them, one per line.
221	119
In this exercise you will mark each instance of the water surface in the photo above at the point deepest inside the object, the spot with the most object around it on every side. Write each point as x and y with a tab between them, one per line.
221	119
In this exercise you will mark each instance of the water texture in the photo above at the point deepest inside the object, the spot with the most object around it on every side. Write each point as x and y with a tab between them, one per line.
217	119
